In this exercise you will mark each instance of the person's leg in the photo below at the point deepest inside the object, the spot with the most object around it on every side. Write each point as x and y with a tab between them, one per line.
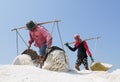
77	67
42	51
41	59
85	62
78	63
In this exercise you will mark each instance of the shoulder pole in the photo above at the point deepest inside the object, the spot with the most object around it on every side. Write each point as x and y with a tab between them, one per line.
37	23
86	39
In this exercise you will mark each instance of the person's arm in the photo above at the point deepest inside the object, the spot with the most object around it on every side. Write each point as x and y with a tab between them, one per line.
47	36
72	49
88	51
49	40
30	41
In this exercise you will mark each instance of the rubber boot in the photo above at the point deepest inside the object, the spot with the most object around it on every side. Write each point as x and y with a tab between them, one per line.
77	67
86	67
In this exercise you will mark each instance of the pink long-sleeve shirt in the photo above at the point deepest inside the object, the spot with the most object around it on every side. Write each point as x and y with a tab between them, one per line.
40	35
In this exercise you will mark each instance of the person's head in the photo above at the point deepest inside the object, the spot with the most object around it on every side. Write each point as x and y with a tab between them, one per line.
76	36
30	25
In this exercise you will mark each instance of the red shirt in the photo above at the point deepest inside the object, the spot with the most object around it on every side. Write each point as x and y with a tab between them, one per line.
85	46
40	35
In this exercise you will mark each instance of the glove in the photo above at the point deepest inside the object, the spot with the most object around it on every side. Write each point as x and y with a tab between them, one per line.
91	58
67	44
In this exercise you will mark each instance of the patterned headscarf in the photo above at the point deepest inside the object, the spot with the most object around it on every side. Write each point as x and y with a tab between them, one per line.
78	40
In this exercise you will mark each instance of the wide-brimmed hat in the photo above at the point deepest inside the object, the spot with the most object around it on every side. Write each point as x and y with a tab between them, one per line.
30	25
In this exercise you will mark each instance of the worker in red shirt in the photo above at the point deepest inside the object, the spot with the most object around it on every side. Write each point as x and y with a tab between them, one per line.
41	37
81	54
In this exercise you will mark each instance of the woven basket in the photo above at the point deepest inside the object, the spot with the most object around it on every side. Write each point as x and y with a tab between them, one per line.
97	66
33	54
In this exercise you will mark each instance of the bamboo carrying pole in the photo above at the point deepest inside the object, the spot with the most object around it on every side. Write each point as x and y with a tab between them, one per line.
38	24
17	33
86	39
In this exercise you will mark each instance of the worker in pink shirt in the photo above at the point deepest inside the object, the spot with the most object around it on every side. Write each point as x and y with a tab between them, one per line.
41	38
82	48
